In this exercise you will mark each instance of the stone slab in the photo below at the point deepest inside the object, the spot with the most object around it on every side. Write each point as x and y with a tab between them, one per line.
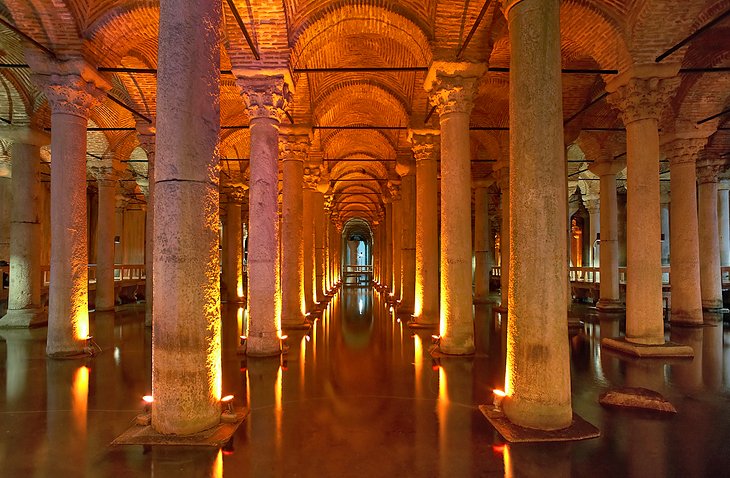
436	352
578	430
216	436
636	398
416	325
668	349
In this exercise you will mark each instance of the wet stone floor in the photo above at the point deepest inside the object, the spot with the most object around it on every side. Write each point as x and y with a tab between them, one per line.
360	396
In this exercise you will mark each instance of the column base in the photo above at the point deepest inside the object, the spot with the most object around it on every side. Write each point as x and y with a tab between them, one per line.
482	300
683	319
578	430
438	352
105	309
304	325
263	347
24	318
714	305
716	310
667	349
421	323
610	306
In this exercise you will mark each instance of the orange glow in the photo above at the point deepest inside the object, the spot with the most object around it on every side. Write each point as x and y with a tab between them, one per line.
418	362
213	360
80	324
498	449
499	393
284	337
227	398
507	462
148	399
80	396
239	289
217	471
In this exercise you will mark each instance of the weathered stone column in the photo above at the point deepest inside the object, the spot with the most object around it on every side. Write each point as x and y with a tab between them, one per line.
482	239
538	363
504	235
293	147
640	93
407	171
723	217
266	98
24	294
610	300
186	337
452	87
664	205
146	136
593	205
106	180
386	255
234	245
685	252
425	146
71	96
397	233
320	249
710	278
311	179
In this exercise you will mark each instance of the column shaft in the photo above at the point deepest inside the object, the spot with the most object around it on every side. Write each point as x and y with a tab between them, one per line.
609	287
319	246
105	297
710	279
482	233
293	306
408	243
505	238
308	245
234	252
723	217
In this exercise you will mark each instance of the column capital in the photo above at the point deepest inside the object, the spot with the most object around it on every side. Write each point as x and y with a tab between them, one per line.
723	185
294	142
405	167
452	85
709	169
236	194
643	91
425	143
501	172
24	135
592	204
482	183
312	175
602	168
394	189
684	151
121	202
104	175
265	94
146	135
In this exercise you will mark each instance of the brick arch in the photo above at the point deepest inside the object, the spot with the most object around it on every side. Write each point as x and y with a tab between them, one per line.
345	143
119	30
361	103
51	23
376	168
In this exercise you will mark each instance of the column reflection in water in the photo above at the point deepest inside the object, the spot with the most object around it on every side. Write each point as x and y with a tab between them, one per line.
264	422
454	417
17	348
526	460
712	352
167	462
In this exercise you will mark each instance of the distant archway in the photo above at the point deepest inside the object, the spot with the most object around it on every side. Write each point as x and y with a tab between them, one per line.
357	252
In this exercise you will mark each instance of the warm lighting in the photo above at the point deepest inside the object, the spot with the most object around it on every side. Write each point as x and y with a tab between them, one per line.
80	396
498	397
307	338
148	399
284	337
217	471
239	290
81	324
227	404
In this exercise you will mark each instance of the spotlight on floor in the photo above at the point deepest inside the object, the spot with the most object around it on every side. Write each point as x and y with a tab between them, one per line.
228	413
498	397
145	417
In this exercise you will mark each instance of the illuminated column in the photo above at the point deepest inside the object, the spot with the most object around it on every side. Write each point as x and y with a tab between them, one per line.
685	251
146	137
504	235
664	205
71	96
452	87
593	206
388	245
640	96
609	287
311	179
407	171
106	180
24	294
710	279
538	360
266	98
396	232
319	241
482	234
425	145
234	245
723	216
293	147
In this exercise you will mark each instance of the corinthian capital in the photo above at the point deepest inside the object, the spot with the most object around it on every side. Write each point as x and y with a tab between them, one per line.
708	169
294	142
69	94
425	143
684	151
265	96
312	176
643	98
236	194
452	85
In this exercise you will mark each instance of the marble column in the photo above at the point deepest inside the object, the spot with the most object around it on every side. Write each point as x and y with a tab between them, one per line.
504	235
71	96
482	239
386	252
664	205
452	87
685	251
425	146
311	179
537	380
234	245
266	98
108	185
320	249
640	95
407	171
186	334
609	297
293	147
710	278
397	233
24	293
723	217
146	136
593	206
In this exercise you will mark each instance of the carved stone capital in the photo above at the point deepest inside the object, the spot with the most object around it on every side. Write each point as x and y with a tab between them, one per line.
425	143
294	142
236	194
146	135
265	96
121	202
69	94
394	190
643	98
452	86
684	151
312	176
603	168
709	169
104	175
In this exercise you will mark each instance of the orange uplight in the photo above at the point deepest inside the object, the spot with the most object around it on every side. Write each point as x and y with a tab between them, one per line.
284	337
148	399
499	393
227	399
217	471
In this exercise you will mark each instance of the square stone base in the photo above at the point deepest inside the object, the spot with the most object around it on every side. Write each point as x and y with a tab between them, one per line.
415	325
578	430
667	349
217	436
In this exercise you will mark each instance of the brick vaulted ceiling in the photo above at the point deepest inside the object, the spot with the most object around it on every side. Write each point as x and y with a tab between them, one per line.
306	35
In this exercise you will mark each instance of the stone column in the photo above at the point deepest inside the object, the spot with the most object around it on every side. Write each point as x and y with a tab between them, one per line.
71	96
266	98
610	300
482	236
387	251
146	136
685	251
425	145
537	380
640	96
723	217
234	245
311	179
397	234
452	87
710	279
293	147
24	294
106	180
320	242
504	235
664	205
186	337
593	205
407	171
